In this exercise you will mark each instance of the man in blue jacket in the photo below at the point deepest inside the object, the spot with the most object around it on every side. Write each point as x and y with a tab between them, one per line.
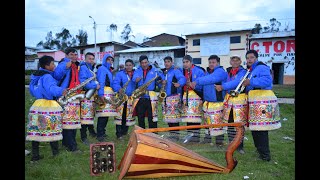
213	105
235	108
147	103
262	116
87	107
44	119
105	79
192	98
173	80
67	75
124	118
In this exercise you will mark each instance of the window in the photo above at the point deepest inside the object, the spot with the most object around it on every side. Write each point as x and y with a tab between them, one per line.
235	39
196	42
101	49
196	60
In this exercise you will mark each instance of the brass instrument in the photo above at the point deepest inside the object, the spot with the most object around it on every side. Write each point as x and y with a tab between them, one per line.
142	89
162	94
240	88
116	100
71	94
121	96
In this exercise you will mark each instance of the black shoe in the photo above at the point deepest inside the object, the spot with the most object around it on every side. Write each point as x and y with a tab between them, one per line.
241	151
173	138
93	134
264	158
36	159
85	141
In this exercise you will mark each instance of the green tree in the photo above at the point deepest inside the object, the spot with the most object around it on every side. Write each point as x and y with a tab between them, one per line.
82	38
49	43
125	34
64	38
257	29
112	28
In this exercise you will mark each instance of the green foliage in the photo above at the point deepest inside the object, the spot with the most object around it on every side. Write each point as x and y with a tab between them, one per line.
29	72
165	44
284	91
77	166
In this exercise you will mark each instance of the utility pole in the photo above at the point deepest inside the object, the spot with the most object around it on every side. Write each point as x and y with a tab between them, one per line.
95	43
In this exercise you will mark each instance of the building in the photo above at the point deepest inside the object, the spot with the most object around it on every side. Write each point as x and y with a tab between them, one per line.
223	43
155	55
277	50
133	44
102	48
164	39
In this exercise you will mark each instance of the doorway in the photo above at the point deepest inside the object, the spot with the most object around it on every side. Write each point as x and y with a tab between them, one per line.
278	70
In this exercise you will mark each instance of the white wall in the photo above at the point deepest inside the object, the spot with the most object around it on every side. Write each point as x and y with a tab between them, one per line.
152	57
31	64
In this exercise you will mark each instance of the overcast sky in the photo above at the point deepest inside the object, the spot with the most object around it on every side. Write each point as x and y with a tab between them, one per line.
150	17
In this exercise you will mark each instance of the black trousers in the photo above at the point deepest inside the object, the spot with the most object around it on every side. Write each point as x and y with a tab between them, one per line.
69	139
232	130
174	133
143	106
122	129
101	126
83	130
35	148
261	142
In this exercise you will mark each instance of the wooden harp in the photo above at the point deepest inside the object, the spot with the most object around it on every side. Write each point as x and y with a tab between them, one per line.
150	156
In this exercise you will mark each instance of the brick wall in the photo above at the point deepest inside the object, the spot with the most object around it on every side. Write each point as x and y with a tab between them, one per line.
288	79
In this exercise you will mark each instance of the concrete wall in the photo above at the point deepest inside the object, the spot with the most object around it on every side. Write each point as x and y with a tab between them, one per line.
235	48
152	56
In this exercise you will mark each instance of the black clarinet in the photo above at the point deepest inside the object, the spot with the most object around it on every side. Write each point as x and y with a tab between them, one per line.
187	95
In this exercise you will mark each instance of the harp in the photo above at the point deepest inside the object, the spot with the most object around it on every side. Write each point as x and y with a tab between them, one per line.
148	155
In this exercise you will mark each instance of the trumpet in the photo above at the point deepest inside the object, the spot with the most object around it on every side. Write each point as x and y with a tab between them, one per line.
240	88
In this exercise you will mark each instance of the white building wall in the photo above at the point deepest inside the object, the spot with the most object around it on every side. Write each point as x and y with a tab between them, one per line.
31	64
154	56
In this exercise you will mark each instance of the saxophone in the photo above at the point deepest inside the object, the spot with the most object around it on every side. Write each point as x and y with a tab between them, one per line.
120	97
162	94
142	89
71	95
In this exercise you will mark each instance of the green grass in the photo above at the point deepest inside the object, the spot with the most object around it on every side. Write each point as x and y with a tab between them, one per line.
284	91
76	166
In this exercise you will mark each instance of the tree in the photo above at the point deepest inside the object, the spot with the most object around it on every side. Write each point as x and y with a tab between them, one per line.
82	38
64	38
125	34
49	43
274	25
112	28
257	29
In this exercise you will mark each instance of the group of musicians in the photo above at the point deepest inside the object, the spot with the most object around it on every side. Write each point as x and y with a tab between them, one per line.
190	95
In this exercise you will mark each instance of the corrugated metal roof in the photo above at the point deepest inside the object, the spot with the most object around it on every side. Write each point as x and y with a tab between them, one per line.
162	48
213	32
48	50
272	35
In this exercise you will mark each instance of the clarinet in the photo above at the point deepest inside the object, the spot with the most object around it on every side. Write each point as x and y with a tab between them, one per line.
187	95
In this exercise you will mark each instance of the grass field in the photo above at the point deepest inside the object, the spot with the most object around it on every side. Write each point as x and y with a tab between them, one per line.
76	166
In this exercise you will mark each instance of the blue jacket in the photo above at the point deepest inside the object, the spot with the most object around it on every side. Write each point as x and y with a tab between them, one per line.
233	81
61	70
84	74
44	86
218	76
150	74
63	74
121	78
104	75
197	72
173	75
260	77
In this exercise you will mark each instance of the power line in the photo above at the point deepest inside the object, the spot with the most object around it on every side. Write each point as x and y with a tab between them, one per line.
165	24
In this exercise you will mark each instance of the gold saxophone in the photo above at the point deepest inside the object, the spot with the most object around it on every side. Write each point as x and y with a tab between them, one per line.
121	96
71	94
162	94
140	91
116	100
